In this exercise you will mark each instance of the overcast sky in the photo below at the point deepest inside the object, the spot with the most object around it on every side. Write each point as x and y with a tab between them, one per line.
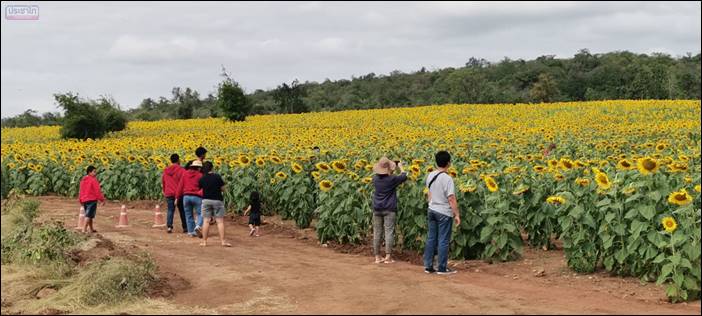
132	51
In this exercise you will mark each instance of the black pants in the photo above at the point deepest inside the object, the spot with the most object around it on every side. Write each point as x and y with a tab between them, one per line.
181	211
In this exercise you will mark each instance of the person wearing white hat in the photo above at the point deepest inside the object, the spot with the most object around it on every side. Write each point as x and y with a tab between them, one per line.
385	205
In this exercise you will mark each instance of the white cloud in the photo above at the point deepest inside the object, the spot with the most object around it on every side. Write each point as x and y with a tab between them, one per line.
138	50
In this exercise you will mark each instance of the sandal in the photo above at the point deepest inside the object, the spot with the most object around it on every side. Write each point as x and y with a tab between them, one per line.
379	261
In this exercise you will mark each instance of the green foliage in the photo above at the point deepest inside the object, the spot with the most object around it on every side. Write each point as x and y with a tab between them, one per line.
89	119
231	99
289	98
585	76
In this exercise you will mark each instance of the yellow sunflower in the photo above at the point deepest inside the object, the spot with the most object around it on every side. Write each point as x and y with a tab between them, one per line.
583	182
625	164
539	169
697	188
339	166
415	169
281	175
602	181
244	161
367	180
688	179
260	162
276	160
680	198
554	199
322	166
353	175
490	183
629	191
566	164
669	224
647	165
553	163
326	185
521	190
316	175
296	167
417	161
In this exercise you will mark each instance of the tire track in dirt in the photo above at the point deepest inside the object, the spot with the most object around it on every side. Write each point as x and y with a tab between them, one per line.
278	274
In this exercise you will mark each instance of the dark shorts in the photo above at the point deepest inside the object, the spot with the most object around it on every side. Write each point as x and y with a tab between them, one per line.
90	209
255	220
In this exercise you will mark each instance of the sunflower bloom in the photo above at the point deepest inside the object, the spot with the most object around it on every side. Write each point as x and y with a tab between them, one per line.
680	198
281	175
326	185
625	164
602	181
556	200
490	183
296	167
647	165
316	175
244	161
669	224
322	166
260	162
629	191
583	182
339	166
697	188
367	180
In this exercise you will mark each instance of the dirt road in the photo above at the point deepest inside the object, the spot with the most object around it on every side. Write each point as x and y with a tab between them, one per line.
279	274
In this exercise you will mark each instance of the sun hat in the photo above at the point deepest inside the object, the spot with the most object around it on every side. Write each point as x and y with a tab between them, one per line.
384	166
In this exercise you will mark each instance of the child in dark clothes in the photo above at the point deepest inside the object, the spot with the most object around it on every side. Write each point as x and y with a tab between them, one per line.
255	217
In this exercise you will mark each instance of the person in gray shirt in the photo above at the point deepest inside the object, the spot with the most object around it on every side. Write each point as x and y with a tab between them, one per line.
442	208
385	205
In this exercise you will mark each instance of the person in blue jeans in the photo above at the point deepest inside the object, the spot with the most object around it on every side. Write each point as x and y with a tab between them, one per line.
443	211
191	192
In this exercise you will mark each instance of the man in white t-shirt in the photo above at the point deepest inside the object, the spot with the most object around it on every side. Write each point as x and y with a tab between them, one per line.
442	208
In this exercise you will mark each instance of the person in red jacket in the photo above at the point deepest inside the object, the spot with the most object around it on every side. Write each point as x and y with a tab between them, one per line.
89	195
169	181
191	192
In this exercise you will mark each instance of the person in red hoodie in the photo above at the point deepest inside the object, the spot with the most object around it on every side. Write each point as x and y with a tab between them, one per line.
89	195
189	189
169	180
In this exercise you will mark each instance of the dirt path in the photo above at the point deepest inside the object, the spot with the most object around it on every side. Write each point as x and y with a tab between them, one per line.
279	274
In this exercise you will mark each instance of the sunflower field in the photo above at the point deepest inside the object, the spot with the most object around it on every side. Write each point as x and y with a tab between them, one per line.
621	190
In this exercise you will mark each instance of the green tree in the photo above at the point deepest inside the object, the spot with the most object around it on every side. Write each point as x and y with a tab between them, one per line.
544	89
288	98
81	119
231	99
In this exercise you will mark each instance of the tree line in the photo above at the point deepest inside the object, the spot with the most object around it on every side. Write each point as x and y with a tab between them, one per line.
585	76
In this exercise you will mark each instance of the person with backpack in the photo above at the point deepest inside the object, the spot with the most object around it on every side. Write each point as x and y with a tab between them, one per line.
442	211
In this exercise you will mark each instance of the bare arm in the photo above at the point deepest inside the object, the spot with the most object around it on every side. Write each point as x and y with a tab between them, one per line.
454	207
246	211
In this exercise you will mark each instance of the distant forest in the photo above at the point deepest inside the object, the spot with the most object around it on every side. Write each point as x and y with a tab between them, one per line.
585	76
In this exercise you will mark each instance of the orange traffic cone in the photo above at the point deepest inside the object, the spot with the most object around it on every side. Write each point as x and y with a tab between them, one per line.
158	217
123	220
81	218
